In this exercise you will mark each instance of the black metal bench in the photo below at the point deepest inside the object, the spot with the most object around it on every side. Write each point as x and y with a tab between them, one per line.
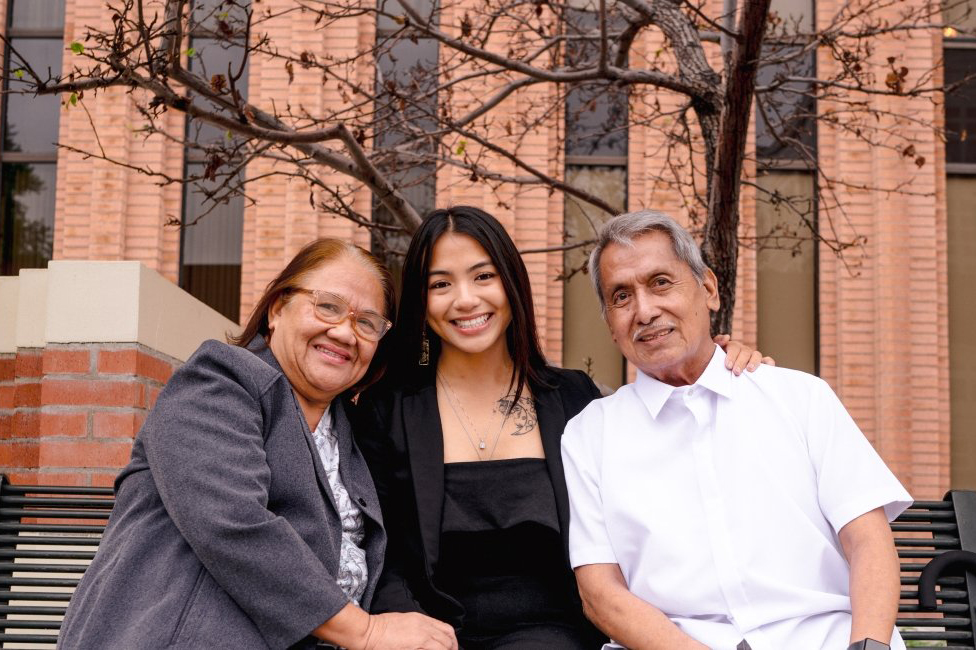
926	531
48	534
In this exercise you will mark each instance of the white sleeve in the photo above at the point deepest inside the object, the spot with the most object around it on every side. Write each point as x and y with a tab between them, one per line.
589	542
851	477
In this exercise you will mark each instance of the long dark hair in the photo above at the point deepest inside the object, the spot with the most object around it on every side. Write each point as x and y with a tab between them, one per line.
313	255
521	335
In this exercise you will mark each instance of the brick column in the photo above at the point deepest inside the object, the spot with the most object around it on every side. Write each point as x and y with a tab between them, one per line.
85	348
92	399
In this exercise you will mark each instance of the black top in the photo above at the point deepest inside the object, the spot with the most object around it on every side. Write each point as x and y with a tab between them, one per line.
501	556
399	430
498	494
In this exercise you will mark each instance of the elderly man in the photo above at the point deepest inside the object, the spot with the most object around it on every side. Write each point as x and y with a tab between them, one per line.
709	510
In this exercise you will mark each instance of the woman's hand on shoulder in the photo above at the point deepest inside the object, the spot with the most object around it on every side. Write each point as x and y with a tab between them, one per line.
739	356
408	631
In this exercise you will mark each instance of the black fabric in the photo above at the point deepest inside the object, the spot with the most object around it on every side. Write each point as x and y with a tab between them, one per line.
501	556
498	494
399	431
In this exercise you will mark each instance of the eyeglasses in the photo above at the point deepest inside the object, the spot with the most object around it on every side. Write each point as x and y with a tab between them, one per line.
334	309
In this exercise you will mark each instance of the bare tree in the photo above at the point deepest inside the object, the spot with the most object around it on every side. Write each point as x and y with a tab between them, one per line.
427	114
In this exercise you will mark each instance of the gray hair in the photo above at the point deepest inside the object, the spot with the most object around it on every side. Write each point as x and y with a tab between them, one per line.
625	228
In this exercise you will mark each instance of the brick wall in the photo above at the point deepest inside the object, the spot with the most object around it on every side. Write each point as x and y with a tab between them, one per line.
69	412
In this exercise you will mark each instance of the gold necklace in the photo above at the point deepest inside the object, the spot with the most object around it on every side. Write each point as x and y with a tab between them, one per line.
456	404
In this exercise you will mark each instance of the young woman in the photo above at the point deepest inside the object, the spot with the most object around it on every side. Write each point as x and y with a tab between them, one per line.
463	443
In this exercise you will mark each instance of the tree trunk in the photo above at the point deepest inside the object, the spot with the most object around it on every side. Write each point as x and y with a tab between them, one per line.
721	244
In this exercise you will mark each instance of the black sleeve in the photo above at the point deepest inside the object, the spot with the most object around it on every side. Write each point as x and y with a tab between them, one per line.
580	391
371	424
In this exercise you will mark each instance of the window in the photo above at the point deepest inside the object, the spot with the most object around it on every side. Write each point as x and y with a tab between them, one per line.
786	111
28	154
406	109
960	104
787	301
596	161
960	123
213	221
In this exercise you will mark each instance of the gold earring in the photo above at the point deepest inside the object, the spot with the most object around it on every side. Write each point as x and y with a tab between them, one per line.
424	350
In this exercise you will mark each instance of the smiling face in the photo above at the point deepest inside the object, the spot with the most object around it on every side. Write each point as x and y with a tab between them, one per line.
322	360
657	310
466	302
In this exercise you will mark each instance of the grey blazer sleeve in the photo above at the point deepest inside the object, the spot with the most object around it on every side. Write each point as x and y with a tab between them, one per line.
204	446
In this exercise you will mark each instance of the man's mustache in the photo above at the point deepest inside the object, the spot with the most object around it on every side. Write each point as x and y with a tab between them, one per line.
651	330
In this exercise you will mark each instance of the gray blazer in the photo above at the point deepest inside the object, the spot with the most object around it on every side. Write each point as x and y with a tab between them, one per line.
224	533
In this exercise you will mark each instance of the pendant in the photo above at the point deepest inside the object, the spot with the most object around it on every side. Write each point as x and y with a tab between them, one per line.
481	444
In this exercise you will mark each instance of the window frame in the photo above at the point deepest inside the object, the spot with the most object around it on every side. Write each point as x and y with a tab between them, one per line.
23	157
960	43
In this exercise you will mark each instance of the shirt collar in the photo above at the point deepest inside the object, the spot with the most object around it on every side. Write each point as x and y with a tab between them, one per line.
324	427
715	378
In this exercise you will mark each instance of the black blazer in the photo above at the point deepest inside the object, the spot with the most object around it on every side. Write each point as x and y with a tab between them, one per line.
399	432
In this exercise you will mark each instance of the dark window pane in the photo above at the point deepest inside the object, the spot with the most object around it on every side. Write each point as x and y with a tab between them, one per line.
37	14
785	113
596	112
960	107
217	285
26	215
211	247
406	79
213	57
418	185
32	122
386	24
596	120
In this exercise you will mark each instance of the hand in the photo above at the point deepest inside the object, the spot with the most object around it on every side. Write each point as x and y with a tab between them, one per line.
409	632
738	356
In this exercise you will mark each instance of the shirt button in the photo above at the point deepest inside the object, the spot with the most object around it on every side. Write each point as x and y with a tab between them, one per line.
362	502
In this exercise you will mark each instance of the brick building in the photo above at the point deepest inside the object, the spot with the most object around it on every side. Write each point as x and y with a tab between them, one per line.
886	325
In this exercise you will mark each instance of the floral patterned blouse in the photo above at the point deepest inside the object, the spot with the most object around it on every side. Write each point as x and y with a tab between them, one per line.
353	574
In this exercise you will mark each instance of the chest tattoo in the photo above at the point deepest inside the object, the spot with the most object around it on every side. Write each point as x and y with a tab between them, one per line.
522	413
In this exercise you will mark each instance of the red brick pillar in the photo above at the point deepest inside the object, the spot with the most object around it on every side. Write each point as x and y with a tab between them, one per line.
20	401
85	348
76	409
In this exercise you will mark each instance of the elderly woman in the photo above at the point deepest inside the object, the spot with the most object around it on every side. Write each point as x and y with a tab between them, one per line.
246	517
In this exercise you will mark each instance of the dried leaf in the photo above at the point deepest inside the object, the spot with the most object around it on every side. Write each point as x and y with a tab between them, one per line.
920	161
466	26
290	69
218	82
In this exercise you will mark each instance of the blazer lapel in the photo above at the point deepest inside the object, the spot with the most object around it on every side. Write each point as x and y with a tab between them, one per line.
552	421
425	449
258	346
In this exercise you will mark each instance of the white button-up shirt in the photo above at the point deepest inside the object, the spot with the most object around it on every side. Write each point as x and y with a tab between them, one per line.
721	502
